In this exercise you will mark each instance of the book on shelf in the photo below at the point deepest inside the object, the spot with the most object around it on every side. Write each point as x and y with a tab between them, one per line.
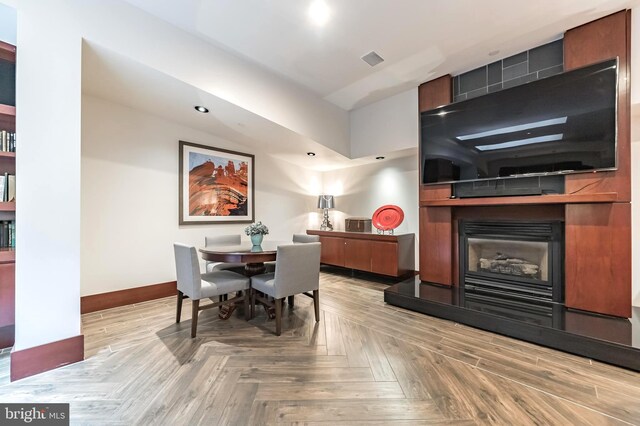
7	187
11	188
7	234
7	141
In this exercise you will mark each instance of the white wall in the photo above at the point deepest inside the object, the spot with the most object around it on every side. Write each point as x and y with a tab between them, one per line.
48	123
130	195
133	33
48	186
8	21
385	126
360	190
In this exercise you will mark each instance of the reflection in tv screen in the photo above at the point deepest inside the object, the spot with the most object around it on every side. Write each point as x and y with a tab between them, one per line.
565	123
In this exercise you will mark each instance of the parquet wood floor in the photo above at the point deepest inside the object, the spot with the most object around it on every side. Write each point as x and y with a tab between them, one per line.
364	363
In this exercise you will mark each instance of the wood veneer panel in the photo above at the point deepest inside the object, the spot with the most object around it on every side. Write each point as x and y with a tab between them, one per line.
434	93
384	258
435	245
7	336
7	118
38	359
7	52
594	42
332	251
357	254
8	206
392	255
360	235
542	212
113	299
7	296
435	223
607	197
598	258
8	162
435	192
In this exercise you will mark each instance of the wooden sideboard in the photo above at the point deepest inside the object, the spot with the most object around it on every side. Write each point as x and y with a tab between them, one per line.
392	255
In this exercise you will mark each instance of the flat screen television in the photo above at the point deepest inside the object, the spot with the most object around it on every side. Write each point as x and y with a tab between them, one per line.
561	124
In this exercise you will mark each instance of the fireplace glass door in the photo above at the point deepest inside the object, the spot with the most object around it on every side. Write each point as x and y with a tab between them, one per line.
520	261
524	259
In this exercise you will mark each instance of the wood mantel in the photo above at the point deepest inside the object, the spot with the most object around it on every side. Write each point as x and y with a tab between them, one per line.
606	197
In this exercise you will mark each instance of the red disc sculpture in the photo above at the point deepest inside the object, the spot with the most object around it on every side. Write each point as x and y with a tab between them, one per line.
387	218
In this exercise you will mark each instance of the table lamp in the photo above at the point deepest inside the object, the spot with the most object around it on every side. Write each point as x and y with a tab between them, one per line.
325	202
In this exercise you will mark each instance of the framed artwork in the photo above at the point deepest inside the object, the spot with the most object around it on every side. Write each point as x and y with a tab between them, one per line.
216	185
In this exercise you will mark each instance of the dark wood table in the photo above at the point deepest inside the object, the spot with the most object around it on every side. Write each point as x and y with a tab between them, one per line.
252	256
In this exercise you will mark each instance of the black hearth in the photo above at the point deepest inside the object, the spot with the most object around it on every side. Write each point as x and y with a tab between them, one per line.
512	264
609	339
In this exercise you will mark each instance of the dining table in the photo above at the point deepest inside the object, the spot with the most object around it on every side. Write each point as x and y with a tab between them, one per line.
251	255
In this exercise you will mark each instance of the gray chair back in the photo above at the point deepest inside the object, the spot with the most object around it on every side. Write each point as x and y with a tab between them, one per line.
187	270
297	269
303	238
231	240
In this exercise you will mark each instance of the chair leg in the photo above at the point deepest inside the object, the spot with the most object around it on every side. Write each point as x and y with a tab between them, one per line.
247	305
316	304
290	301
179	306
195	304
279	316
253	303
220	300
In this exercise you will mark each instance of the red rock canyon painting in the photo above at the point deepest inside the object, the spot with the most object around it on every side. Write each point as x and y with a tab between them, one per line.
216	185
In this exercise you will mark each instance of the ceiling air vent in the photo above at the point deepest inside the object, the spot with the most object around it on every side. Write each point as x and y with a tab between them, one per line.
372	58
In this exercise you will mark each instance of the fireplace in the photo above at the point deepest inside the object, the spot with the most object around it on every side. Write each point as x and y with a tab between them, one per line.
511	263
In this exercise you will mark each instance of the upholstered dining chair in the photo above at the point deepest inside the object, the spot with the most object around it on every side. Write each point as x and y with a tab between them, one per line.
297	271
297	238
197	286
304	238
219	240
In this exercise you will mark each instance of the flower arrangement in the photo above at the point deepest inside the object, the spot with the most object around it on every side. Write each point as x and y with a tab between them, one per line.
256	229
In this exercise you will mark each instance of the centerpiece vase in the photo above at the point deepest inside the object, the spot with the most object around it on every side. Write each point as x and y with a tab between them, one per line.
256	239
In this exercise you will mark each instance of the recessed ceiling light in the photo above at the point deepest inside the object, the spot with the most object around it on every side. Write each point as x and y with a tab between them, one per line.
201	109
311	154
319	12
380	158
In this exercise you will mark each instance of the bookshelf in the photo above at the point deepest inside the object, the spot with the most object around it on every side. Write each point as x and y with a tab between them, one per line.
7	213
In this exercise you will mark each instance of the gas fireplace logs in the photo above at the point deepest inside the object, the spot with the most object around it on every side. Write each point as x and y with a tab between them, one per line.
504	264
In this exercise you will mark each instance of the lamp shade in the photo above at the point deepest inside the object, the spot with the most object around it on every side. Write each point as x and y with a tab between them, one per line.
325	202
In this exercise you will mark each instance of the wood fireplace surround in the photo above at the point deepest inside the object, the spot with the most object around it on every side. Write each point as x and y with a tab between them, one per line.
595	208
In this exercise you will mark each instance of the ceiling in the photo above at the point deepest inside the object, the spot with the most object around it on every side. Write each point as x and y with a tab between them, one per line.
111	76
419	39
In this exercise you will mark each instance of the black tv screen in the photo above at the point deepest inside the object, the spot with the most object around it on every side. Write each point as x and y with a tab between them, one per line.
565	123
